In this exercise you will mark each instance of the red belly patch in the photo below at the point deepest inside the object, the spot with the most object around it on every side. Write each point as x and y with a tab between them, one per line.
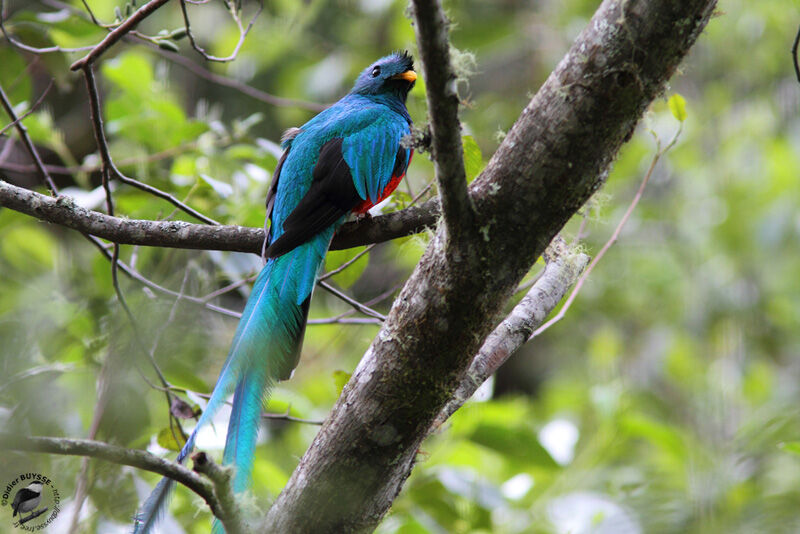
366	205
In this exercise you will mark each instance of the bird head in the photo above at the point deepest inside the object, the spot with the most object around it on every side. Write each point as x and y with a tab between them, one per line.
35	486
393	74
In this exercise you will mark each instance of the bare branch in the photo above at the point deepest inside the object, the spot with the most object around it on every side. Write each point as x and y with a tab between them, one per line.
563	268
340	319
431	28
26	140
613	239
243	88
242	31
366	310
199	70
118	455
794	55
127	162
130	23
178	234
32	49
346	264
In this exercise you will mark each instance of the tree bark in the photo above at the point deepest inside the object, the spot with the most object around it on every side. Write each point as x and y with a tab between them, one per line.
552	160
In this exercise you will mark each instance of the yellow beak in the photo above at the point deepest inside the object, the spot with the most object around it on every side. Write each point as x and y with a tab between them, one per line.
409	76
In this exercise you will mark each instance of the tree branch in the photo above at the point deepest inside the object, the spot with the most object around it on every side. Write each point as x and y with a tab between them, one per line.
553	159
221	477
126	27
431	28
178	234
563	268
118	455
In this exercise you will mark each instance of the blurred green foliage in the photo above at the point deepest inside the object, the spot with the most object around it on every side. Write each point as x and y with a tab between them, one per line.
666	400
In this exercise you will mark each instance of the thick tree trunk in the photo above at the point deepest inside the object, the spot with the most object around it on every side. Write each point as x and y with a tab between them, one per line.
553	159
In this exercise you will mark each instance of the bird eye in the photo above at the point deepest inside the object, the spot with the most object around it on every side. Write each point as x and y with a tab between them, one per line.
376	71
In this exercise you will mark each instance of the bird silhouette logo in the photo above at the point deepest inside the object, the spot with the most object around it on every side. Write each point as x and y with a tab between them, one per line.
32	499
27	499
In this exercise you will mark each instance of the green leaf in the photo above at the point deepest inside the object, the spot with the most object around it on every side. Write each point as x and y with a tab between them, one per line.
677	105
131	71
180	33
790	446
473	159
166	438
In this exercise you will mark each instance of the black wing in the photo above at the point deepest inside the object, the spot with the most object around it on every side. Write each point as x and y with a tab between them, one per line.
273	188
332	194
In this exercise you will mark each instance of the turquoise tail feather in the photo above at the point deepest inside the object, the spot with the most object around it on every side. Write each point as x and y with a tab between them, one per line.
265	349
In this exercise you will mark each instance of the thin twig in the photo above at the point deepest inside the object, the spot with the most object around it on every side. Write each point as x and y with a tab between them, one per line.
91	13
127	162
613	239
366	310
32	49
264	415
346	264
243	88
58	368
136	275
105	154
26	140
33	108
228	288
242	32
345	320
794	54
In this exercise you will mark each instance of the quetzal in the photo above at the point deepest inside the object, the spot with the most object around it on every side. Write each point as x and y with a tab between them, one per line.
345	160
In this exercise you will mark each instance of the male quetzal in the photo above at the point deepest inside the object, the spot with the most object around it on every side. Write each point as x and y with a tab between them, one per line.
345	160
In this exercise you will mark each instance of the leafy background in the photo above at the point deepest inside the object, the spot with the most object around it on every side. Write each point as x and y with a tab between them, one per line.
665	401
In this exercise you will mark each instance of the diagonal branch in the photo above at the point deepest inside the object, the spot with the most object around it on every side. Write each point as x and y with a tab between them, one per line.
553	159
31	110
126	27
563	268
26	140
431	28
